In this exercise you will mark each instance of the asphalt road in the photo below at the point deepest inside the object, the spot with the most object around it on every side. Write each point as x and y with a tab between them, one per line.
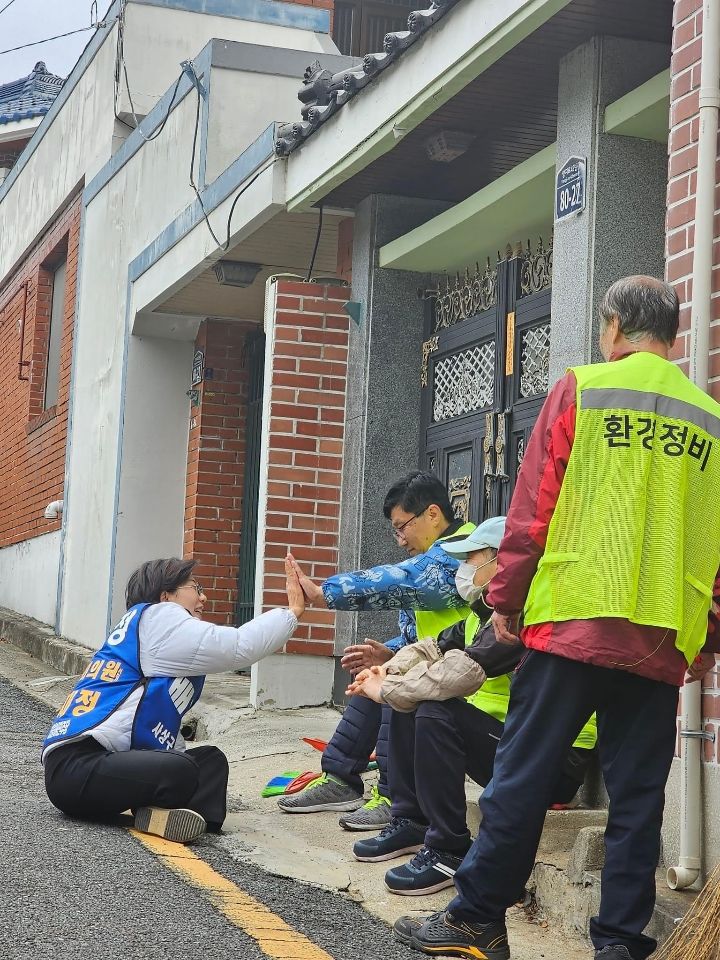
72	889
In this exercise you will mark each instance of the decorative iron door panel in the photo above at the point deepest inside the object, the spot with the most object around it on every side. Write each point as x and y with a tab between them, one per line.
461	375
484	372
528	358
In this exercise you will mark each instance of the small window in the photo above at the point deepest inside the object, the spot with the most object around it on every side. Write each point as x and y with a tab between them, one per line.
52	371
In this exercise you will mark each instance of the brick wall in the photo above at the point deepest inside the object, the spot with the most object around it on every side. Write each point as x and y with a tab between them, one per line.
682	185
33	440
216	466
682	179
306	431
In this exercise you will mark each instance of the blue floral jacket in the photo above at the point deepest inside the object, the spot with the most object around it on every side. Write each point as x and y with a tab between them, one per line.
424	582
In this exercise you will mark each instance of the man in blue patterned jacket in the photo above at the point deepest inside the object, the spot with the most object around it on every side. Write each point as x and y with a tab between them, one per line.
420	514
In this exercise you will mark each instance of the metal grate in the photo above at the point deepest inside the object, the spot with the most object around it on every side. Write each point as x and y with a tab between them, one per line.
535	361
464	382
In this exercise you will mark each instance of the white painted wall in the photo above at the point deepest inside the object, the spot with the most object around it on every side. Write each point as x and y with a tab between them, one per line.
154	457
178	35
264	98
119	439
29	576
75	145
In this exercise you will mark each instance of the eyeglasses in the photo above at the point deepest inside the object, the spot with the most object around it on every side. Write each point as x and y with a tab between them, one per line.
196	586
398	532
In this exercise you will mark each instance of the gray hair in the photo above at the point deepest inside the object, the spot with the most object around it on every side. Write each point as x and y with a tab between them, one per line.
645	308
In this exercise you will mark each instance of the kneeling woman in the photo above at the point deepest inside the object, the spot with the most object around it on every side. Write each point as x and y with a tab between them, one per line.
116	744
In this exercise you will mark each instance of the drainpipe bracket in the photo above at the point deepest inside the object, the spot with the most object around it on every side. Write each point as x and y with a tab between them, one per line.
698	735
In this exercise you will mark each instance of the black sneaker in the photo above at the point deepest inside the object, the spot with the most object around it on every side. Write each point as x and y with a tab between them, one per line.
442	934
428	871
615	951
399	836
405	927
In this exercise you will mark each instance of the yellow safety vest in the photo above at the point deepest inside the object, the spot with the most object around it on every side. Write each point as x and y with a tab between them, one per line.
636	530
494	695
431	623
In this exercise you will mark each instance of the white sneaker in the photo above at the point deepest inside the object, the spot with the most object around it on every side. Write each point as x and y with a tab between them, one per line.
178	825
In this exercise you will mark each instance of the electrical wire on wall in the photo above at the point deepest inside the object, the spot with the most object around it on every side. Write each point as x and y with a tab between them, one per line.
224	245
317	244
121	69
188	67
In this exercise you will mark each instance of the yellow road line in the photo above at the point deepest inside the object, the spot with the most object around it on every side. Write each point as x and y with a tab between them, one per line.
274	937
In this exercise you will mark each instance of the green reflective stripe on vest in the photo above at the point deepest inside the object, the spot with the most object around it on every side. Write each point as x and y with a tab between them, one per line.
431	623
645	437
494	695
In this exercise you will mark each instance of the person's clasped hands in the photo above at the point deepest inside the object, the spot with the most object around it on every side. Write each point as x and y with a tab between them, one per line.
368	683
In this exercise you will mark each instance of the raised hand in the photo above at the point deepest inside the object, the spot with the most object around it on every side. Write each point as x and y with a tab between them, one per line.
295	594
313	592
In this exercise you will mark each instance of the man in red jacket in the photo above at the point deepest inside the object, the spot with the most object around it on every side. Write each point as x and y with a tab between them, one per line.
611	548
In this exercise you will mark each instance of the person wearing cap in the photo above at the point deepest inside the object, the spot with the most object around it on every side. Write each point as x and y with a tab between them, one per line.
611	553
449	699
422	589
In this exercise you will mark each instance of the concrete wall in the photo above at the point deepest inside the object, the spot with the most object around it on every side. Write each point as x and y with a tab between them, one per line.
382	429
29	576
151	495
264	98
181	34
621	231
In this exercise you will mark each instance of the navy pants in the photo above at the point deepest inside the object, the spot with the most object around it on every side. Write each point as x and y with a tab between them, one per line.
431	751
363	727
550	700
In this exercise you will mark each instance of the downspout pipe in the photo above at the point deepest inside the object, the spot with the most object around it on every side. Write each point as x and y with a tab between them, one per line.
687	870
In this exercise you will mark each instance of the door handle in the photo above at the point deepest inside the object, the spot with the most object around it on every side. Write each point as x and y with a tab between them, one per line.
488	446
500	443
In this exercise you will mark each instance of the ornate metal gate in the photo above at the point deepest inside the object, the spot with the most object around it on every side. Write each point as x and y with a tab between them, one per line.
485	375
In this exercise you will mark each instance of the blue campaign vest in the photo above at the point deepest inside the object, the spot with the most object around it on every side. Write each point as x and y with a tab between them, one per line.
113	674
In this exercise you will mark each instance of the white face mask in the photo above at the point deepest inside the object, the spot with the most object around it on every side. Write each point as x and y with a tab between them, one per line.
465	581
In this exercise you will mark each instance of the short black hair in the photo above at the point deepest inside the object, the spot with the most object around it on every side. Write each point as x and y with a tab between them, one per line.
644	306
416	492
156	577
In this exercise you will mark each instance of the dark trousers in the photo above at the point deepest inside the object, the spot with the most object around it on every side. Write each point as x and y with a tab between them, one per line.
87	781
550	700
363	727
431	751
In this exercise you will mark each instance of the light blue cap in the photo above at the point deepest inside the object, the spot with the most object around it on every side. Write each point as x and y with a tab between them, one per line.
488	534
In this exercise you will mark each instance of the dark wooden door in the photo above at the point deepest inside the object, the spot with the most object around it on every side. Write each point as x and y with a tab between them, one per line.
485	375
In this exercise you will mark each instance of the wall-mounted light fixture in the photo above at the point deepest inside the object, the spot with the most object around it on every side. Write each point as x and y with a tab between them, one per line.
236	273
447	145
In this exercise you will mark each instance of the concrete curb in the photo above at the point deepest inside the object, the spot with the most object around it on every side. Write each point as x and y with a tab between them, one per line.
39	640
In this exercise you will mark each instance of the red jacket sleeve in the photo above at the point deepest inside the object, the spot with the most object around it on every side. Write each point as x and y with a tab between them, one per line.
536	494
712	644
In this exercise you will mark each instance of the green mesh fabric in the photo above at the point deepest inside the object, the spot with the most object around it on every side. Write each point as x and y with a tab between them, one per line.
636	530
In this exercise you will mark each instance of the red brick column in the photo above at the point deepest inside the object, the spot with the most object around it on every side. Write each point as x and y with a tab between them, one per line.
682	187
216	466
305	446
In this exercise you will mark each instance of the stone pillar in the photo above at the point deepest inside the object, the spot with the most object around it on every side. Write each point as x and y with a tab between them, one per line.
622	229
382	426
